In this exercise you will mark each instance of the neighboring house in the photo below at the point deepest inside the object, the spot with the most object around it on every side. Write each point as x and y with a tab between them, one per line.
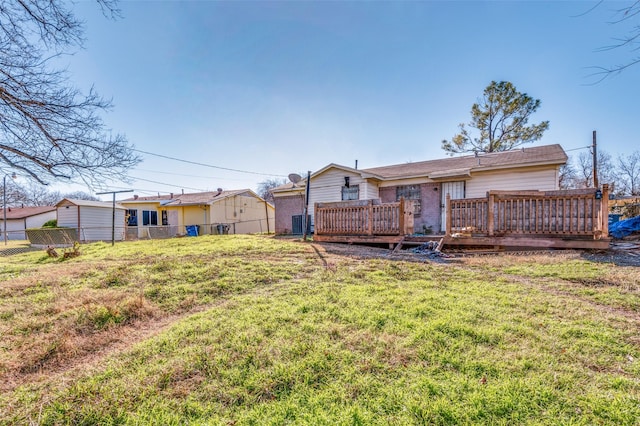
23	218
93	220
425	182
220	212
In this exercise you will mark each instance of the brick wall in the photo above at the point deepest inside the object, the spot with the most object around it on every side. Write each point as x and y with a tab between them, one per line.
286	207
430	198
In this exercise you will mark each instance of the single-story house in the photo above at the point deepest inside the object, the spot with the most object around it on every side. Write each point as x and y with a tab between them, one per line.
93	220
20	219
218	212
426	183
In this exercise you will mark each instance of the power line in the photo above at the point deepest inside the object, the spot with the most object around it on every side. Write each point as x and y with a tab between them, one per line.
205	165
167	184
184	175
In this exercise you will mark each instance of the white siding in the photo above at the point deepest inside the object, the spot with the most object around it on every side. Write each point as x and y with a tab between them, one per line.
543	179
369	191
40	219
327	187
68	216
15	229
95	222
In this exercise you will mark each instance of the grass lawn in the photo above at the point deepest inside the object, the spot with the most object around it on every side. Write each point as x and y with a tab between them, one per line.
235	330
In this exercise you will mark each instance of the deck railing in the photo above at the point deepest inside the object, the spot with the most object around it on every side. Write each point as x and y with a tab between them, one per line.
560	213
363	218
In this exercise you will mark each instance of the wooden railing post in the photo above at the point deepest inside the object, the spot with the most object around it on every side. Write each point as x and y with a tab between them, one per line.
401	218
370	217
604	208
447	207
490	211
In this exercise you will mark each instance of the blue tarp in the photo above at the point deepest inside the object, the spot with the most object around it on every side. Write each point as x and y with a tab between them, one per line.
625	227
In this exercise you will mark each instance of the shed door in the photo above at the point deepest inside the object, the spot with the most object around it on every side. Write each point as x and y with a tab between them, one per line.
456	190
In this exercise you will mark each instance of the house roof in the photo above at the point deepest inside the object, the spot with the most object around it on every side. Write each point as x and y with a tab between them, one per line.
442	168
25	212
451	167
87	203
191	199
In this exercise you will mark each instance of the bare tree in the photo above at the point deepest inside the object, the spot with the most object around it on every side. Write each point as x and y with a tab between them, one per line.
567	178
34	194
79	195
265	187
630	41
606	170
629	173
48	128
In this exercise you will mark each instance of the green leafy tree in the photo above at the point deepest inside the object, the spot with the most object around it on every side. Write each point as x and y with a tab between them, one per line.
500	118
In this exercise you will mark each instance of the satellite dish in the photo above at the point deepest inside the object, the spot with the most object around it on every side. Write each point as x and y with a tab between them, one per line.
219	189
295	178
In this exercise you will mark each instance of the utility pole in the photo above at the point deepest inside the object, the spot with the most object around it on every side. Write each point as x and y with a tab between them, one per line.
113	212
595	161
305	219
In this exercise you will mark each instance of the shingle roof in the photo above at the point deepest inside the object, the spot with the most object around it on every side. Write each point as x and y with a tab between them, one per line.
204	197
24	212
88	203
547	154
454	167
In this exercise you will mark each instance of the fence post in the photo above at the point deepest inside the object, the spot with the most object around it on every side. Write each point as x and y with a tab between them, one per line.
490	210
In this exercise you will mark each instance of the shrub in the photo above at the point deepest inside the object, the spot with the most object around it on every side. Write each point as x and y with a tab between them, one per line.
53	223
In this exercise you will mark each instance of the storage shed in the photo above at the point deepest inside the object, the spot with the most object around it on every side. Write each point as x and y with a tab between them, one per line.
92	219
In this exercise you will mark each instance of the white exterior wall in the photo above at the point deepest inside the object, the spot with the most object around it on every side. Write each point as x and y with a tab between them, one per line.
369	191
15	229
542	179
327	187
67	216
95	222
38	220
244	214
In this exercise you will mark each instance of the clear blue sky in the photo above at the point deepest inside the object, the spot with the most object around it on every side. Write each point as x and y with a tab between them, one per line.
279	87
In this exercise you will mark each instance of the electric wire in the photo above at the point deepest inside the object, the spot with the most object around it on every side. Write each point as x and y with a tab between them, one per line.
206	165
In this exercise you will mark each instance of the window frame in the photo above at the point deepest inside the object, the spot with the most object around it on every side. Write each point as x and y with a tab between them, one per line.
411	192
350	190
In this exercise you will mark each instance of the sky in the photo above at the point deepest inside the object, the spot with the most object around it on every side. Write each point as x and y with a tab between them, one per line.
270	88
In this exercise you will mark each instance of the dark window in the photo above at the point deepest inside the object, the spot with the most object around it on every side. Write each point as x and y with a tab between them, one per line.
165	220
350	193
149	217
132	217
411	192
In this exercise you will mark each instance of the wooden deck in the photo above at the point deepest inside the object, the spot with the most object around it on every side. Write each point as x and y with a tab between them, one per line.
521	219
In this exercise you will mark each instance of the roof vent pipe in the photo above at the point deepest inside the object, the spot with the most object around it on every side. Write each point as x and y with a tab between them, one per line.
356	164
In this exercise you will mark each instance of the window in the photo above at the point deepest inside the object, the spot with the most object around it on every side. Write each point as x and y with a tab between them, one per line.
149	217
411	192
132	217
165	220
350	193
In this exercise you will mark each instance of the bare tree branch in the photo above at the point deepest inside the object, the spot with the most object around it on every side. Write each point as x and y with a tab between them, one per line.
48	128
